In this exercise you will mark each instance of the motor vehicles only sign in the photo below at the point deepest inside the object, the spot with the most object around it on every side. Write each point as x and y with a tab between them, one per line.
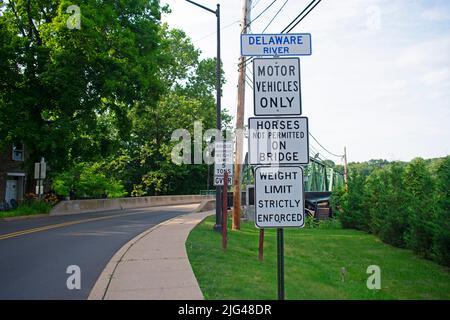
276	87
282	140
292	44
279	197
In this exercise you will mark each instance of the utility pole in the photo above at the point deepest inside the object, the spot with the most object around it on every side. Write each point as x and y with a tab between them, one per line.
345	169
245	19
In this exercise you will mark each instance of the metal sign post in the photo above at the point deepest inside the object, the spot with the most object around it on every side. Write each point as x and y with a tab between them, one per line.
225	212
280	263
40	172
279	203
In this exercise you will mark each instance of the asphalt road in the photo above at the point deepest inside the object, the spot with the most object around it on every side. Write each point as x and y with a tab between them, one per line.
35	253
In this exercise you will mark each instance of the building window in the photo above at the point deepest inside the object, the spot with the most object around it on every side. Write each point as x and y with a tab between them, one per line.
17	152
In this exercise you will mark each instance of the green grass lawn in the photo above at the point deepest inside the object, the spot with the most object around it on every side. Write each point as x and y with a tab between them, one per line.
313	261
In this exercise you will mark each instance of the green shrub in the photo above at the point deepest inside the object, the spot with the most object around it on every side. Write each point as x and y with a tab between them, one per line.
353	213
28	208
376	193
406	205
419	188
311	223
88	181
385	200
330	224
441	238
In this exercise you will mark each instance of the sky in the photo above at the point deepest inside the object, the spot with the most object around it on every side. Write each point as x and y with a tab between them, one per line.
377	82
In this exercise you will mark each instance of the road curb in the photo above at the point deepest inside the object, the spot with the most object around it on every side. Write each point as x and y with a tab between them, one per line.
31	216
100	289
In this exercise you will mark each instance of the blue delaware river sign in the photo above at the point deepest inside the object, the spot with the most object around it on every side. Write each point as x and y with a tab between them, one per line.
293	44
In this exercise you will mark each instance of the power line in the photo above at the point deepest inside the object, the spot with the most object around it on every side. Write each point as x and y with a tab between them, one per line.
317	153
249	59
300	14
288	29
336	155
213	33
255	4
262	12
284	4
314	151
249	81
303	17
323	160
249	84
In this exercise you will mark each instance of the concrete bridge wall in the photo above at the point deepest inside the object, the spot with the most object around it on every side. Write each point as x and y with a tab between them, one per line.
96	205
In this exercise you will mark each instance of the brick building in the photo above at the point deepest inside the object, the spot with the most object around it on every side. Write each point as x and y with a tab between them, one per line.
13	179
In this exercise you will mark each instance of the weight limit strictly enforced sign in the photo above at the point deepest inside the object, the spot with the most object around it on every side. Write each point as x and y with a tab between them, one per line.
278	140
279	199
276	87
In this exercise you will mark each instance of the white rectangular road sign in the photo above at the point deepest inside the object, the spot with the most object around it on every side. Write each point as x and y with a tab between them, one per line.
218	181
279	199
40	168
223	162
276	87
220	169
223	152
274	141
292	44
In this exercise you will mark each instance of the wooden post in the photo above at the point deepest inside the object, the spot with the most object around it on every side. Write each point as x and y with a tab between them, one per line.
240	124
261	245
225	211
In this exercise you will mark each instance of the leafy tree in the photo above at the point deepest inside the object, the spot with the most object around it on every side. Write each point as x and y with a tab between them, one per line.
419	187
385	200
377	191
441	239
144	163
366	168
408	204
57	83
87	180
108	94
396	217
354	213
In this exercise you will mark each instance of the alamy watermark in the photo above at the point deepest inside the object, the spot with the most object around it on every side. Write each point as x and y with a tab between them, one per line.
271	146
74	21
374	280
373	21
73	282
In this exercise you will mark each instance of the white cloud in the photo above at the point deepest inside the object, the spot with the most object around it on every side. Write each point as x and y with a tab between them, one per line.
436	14
436	77
434	51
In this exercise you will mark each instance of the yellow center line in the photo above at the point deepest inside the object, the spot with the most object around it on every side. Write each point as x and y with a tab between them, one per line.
59	225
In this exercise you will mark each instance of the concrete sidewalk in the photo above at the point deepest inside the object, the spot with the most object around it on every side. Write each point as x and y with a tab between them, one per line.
154	265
